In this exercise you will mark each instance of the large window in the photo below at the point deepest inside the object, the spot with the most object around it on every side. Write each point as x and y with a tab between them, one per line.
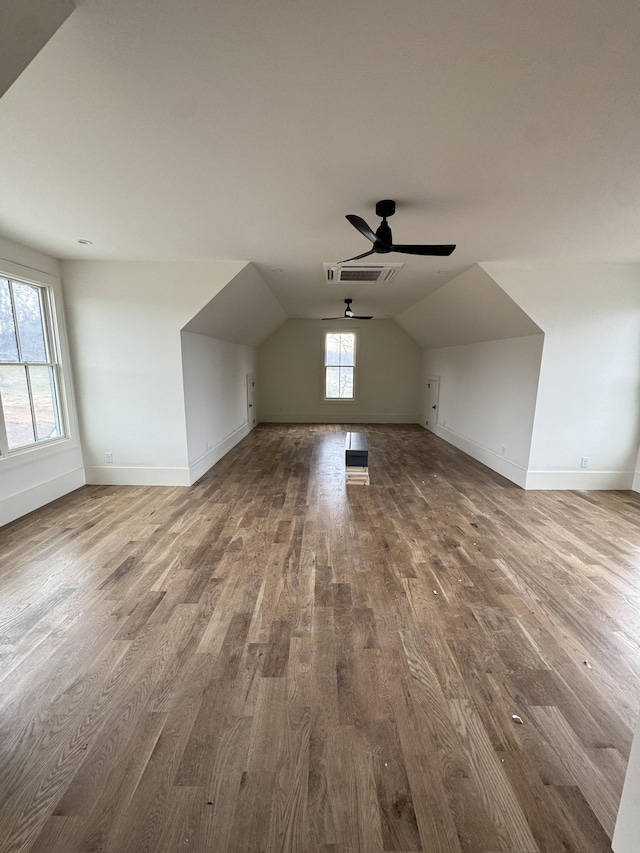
29	390
340	366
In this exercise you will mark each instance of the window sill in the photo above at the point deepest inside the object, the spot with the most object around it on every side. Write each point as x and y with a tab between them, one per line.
37	452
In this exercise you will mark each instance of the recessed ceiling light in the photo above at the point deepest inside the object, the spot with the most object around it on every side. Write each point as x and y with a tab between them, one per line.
85	242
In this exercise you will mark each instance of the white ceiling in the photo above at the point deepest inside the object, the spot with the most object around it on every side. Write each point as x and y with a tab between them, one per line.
175	129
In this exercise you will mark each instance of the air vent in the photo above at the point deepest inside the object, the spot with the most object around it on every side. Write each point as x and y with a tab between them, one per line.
360	272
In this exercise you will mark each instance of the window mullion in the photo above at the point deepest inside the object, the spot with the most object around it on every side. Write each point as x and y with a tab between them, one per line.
22	361
31	405
4	441
15	321
50	341
57	400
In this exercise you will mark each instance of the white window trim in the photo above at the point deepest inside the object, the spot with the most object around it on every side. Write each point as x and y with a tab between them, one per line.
55	312
332	330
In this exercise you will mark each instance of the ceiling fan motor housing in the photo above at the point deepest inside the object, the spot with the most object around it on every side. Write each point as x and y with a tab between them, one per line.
385	239
386	207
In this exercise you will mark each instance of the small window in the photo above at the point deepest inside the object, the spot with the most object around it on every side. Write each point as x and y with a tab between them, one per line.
29	389
340	366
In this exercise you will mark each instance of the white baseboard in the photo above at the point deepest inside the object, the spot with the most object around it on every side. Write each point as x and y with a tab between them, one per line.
580	480
500	464
345	417
121	475
200	467
34	497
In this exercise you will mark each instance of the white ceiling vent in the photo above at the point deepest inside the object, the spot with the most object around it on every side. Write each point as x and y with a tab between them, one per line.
360	272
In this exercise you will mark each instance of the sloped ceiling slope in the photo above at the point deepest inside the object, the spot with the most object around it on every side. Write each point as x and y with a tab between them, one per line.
467	310
243	312
27	28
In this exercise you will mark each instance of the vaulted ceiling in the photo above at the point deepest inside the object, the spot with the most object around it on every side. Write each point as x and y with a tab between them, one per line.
187	129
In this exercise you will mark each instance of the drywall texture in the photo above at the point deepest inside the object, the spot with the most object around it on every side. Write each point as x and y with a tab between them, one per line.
588	401
125	320
246	312
34	477
487	399
291	372
467	310
215	398
28	27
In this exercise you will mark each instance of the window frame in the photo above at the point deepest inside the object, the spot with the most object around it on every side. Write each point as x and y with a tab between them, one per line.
55	353
350	330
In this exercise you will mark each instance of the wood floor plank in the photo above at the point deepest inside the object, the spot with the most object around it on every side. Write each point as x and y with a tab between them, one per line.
578	763
272	660
499	799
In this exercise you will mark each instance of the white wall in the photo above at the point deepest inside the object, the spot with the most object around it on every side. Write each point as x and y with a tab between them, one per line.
215	397
290	375
34	477
487	399
627	831
124	323
589	393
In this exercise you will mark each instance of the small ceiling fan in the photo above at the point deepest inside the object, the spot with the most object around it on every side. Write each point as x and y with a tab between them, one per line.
382	239
348	313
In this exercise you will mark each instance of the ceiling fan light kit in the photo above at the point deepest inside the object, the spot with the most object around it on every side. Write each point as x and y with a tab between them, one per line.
382	238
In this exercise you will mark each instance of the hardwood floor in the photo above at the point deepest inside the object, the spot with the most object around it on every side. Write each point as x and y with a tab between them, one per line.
273	661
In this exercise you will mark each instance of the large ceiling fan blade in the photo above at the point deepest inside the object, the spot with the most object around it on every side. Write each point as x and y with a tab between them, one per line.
408	249
357	257
359	223
348	317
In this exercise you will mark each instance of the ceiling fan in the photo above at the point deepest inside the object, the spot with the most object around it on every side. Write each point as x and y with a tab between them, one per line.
348	313
382	239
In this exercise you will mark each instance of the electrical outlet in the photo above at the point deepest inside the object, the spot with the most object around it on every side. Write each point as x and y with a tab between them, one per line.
108	457
504	450
207	445
584	462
